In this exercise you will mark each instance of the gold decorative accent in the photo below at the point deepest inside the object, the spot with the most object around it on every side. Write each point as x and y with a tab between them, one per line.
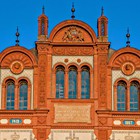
128	68
16	67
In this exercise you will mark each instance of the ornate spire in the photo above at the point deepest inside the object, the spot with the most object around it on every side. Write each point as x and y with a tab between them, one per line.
128	36
73	10
17	35
43	10
102	11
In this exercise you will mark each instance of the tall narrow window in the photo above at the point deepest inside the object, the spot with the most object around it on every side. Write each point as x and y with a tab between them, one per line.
134	96
102	27
60	82
85	85
43	26
10	99
23	95
72	83
121	96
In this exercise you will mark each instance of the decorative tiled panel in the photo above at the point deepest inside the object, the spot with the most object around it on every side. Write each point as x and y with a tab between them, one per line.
116	74
125	135
72	59
16	134
28	73
67	134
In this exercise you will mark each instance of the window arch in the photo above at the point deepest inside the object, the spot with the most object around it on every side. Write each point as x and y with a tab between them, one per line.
60	82
10	95
134	96
72	94
121	96
23	95
16	93
85	83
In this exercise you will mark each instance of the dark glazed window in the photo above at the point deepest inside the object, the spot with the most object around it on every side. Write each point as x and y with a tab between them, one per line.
10	99
134	96
102	28
23	95
60	83
121	96
72	83
85	85
43	27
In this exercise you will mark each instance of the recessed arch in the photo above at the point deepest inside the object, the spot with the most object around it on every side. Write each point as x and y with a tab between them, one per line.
120	53
17	49
76	23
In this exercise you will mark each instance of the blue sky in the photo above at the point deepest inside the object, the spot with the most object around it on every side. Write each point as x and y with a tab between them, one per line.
24	13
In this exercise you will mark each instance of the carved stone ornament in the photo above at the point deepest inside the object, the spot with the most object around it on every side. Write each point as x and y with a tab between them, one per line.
15	136
16	67
129	137
73	35
128	68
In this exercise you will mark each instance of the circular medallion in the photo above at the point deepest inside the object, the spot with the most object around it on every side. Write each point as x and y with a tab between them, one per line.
128	68
16	67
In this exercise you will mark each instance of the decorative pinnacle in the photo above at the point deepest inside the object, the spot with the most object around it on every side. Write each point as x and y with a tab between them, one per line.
128	37
43	10
102	11
73	10
17	35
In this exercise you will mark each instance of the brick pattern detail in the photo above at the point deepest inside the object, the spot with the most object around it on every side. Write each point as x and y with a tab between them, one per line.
28	73
41	134
102	78
72	59
42	81
102	135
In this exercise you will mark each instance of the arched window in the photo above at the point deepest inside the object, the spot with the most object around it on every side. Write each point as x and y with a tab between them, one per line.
85	85
43	26
102	27
72	83
60	82
23	95
134	96
10	95
121	96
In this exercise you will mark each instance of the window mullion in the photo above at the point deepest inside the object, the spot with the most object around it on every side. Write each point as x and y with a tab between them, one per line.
128	98
16	97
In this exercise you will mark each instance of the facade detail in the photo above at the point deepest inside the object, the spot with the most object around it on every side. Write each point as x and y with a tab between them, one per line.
70	86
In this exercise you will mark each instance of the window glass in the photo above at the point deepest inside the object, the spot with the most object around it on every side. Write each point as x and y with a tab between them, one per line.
60	83
23	95
121	96
102	27
10	99
72	83
134	96
43	27
85	85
